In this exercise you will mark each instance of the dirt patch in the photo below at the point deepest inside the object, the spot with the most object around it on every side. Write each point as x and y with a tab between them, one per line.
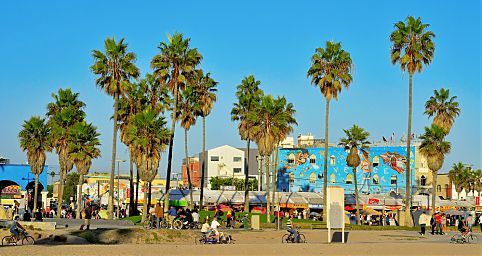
134	236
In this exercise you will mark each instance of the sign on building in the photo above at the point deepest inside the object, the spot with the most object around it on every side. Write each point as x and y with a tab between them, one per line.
335	211
228	188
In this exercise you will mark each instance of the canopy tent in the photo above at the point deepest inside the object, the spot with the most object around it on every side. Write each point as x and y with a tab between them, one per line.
370	211
454	212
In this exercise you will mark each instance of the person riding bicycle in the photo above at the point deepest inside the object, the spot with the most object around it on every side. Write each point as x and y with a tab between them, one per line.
214	228
292	230
205	228
15	228
462	228
187	218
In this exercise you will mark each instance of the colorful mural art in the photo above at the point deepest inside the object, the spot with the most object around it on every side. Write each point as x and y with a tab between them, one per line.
382	169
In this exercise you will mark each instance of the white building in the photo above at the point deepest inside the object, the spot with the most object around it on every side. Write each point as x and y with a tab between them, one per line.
225	161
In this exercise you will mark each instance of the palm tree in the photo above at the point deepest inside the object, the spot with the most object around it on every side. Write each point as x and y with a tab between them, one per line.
172	66
115	69
35	138
434	148
456	176
83	147
188	119
269	122
444	109
65	111
412	47
148	135
206	96
356	138
330	71
249	95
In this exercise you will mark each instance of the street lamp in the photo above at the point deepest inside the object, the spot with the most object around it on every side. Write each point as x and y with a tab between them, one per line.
118	185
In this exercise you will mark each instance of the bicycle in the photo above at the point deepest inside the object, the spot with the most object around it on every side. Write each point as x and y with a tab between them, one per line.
147	224
289	238
23	236
206	239
467	238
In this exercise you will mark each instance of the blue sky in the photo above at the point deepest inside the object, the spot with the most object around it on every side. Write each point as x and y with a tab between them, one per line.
47	46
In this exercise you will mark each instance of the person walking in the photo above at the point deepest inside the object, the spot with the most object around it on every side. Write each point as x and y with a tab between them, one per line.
423	220
444	223
87	216
159	214
470	222
432	224
438	222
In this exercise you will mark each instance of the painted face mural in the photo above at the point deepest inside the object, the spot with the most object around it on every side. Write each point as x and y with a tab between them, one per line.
395	161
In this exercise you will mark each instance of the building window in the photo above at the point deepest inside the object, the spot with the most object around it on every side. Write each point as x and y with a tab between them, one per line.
332	178
375	179
446	187
439	188
332	160
393	179
237	170
214	158
312	159
291	177
423	181
349	178
236	159
312	178
291	158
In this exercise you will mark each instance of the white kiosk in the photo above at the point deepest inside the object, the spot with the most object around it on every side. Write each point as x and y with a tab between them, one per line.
335	211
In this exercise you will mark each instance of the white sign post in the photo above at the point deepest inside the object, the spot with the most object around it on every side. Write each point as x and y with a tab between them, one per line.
335	211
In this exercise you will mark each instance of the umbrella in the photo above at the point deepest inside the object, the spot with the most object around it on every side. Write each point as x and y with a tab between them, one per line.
370	211
453	212
349	208
315	214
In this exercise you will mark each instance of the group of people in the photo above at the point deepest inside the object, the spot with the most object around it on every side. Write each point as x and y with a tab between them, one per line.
187	216
438	223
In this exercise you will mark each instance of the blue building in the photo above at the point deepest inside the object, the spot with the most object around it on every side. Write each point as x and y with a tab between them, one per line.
382	169
17	180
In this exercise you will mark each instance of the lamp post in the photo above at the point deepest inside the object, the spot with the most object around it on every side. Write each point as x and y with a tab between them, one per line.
118	185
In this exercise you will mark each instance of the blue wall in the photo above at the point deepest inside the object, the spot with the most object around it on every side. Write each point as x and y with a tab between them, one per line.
308	177
15	173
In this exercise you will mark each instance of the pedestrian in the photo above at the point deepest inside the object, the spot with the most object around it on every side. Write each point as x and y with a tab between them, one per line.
159	214
470	222
87	216
172	215
438	222
480	222
432	224
245	221
195	216
444	223
423	220
228	219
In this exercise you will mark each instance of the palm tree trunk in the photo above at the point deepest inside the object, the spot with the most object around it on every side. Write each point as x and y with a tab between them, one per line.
110	206
261	174
325	160
434	191
188	172
171	145
275	175
203	165
35	196
144	203
246	179
408	197
59	192
131	186
356	198
137	192
268	203
79	196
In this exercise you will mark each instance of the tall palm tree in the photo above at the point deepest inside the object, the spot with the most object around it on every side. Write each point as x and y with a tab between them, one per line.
249	95
356	139
444	109
270	121
65	111
172	66
434	148
35	138
188	108
330	70
456	176
115	69
412	47
83	147
148	135
206	96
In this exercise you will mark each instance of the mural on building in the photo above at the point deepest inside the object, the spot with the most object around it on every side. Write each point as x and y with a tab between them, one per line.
382	169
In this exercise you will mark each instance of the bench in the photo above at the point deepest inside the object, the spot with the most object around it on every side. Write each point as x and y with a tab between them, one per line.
39	225
318	225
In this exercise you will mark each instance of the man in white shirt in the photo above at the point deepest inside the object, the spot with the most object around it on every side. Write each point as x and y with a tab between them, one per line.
195	217
214	227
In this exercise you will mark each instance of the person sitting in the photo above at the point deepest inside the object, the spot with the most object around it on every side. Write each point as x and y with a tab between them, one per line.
38	216
292	230
205	228
187	217
15	228
27	216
